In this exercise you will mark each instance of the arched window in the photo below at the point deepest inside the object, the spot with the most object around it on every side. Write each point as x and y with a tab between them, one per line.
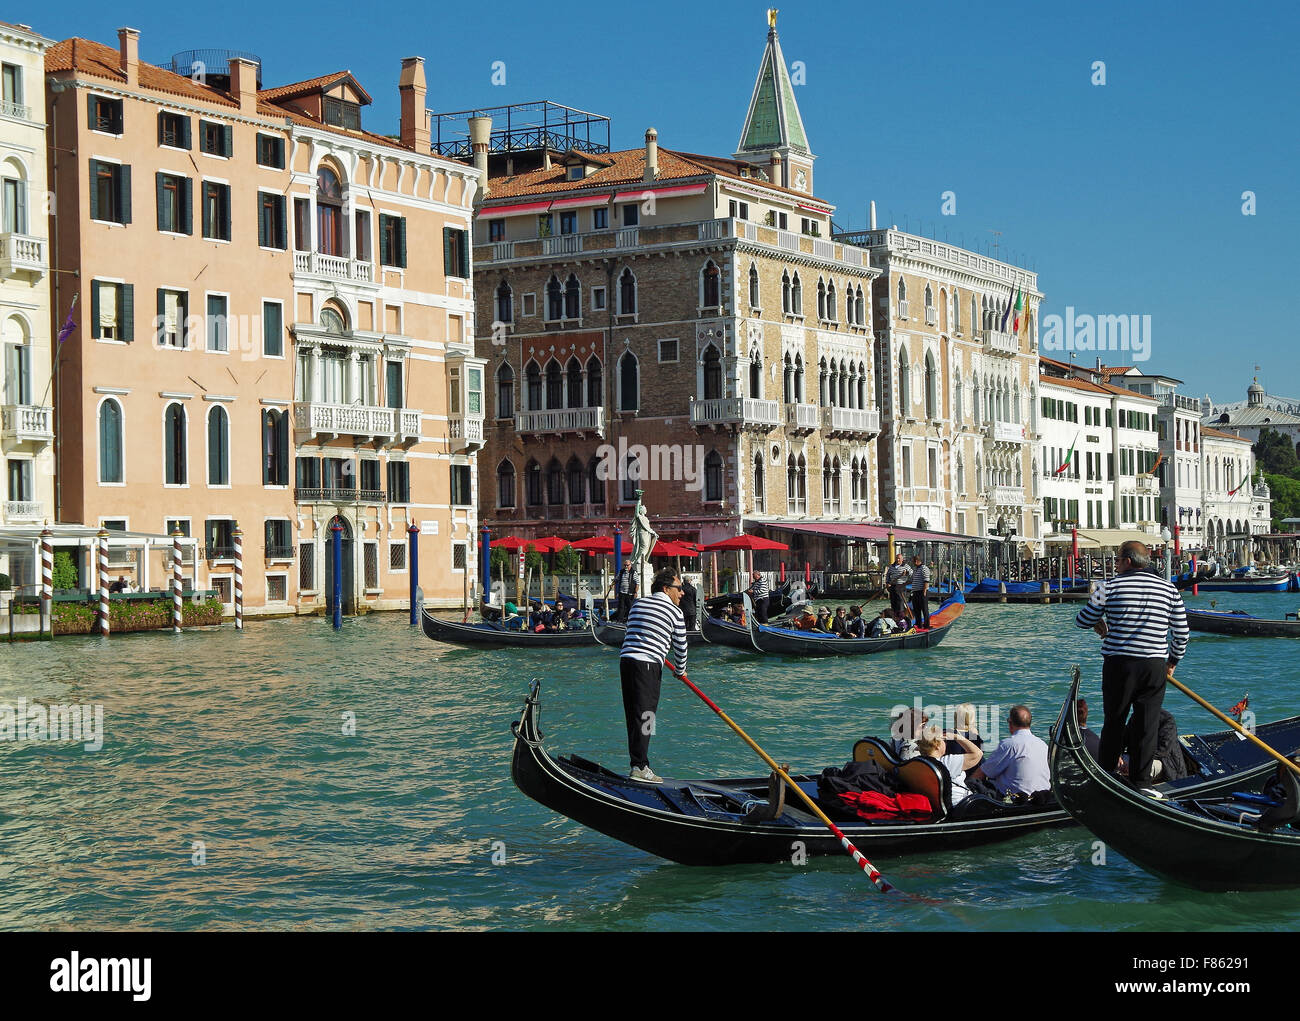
572	298
954	314
826	484
554	300
505	484
862	385
713	477
631	478
958	412
832	307
929	302
533	483
218	447
823	384
330	235
756	374
961	477
275	448
974	314
791	484
554	483
931	388
785	292
712	365
843	386
110	441
595	384
554	386
977	399
505	304
533	380
753	286
576	480
595	484
626	293
833	385
628	385
821	298
760	491
711	286
860	308
796	296
174	462
904	382
787	380
798	379
573	373
505	391
902	297
835	483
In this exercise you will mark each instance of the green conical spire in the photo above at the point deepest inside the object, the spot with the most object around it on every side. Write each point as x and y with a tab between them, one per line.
773	121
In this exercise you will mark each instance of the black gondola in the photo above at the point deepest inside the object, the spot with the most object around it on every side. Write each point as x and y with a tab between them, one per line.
788	642
720	821
610	633
492	636
1231	838
1242	624
723	632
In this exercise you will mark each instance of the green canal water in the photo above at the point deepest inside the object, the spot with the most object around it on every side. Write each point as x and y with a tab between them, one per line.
227	794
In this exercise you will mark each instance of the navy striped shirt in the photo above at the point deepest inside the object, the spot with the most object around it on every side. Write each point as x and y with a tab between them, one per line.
655	625
1145	617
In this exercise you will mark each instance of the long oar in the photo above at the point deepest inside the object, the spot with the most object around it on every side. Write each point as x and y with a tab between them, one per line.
858	857
1234	725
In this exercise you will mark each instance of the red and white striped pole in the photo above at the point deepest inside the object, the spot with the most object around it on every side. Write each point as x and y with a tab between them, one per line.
103	583
47	581
177	604
239	577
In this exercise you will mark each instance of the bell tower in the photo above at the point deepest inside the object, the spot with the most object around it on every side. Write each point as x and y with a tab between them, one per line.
773	136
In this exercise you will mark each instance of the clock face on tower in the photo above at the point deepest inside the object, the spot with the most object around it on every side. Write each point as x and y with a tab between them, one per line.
801	180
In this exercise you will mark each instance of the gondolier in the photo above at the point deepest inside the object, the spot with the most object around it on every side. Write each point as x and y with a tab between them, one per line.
625	584
920	583
1143	625
758	592
654	627
897	579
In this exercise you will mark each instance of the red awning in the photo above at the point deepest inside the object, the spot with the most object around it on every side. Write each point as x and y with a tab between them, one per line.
681	189
527	207
582	201
864	531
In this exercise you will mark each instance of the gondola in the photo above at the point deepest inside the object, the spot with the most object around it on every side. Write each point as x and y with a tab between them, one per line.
610	633
1228	583
788	642
720	821
716	631
487	635
1242	624
1229	839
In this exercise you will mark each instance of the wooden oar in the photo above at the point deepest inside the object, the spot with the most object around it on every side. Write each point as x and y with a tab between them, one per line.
858	857
1234	725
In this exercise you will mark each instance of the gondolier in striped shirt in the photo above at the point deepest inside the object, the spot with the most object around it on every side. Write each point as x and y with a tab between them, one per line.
759	592
897	579
654	627
1143	625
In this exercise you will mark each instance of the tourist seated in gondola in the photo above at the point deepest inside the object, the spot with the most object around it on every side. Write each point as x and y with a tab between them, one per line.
824	620
905	730
839	624
964	725
856	626
883	625
904	620
933	743
1018	765
804	620
1091	739
510	618
1170	762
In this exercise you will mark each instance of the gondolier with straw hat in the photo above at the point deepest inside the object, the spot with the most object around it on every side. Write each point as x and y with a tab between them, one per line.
654	627
1143	625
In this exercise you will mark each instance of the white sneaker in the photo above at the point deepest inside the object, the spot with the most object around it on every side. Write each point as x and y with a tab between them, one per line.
1151	792
646	775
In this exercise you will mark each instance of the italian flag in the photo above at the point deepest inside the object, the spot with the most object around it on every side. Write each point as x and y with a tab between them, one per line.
1020	307
1244	480
1069	457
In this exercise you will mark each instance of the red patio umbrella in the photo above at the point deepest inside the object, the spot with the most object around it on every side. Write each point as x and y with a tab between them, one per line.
550	544
512	542
744	542
596	544
674	549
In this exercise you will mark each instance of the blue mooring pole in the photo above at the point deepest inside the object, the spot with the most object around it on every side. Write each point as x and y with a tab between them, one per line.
338	575
618	549
413	555
485	567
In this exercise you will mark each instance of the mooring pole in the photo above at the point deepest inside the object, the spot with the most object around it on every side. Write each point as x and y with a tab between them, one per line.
413	559
337	529
177	582
103	583
47	584
238	536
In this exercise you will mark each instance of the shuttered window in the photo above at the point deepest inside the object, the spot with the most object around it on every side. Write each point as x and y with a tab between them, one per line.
455	252
270	151
272	230
174	130
112	311
215	139
104	114
174	204
216	211
110	191
392	240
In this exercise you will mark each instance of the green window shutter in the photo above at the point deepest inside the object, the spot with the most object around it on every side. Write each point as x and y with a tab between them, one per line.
383	240
447	267
90	112
160	328
225	212
281	223
187	206
268	439
261	221
163	221
282	449
126	311
401	241
464	253
183	313
227	148
124	193
185	133
161	116
94	189
94	305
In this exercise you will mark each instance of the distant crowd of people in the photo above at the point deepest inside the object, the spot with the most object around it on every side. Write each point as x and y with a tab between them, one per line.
844	622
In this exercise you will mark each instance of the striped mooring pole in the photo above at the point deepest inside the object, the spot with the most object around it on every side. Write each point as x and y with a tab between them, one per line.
177	614
239	577
103	582
47	582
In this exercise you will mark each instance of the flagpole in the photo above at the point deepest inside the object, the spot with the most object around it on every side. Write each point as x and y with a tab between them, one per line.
64	333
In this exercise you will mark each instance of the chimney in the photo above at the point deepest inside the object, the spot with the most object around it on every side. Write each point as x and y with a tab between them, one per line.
776	170
480	133
872	221
651	154
128	44
243	84
415	116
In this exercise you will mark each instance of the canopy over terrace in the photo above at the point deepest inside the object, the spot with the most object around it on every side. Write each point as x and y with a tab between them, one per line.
1114	538
839	556
22	544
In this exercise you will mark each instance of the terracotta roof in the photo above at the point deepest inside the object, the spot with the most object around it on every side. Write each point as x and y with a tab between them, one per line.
311	85
627	166
1114	370
1218	434
1109	389
1044	360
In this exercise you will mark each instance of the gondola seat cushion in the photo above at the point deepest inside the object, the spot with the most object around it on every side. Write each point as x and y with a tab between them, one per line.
874	806
925	776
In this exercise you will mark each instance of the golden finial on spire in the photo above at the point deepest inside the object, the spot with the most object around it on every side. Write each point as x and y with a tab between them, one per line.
772	12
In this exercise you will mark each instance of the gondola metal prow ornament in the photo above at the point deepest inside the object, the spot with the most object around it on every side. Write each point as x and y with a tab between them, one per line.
858	857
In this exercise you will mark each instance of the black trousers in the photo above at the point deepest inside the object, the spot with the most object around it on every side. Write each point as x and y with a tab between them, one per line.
1136	683
641	682
624	605
897	598
760	609
921	609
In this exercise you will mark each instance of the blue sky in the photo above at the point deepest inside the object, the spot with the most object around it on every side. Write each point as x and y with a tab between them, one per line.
1125	197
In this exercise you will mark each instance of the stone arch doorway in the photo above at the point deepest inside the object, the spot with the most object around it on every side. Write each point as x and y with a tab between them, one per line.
349	580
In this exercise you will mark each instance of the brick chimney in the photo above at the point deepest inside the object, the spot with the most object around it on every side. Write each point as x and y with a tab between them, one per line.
243	84
777	176
480	135
651	154
415	116
128	45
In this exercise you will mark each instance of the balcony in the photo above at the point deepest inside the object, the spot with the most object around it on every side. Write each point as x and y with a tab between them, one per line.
15	110
1191	404
745	412
802	418
560	421
338	494
931	315
466	432
999	343
280	553
850	422
1147	484
333	267
24	510
394	425
1007	432
1007	495
21	253
902	309
26	425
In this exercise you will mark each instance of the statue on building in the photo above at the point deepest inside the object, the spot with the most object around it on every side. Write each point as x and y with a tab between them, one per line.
643	536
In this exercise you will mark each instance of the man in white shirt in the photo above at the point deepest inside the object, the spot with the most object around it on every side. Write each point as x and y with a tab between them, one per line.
1019	763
